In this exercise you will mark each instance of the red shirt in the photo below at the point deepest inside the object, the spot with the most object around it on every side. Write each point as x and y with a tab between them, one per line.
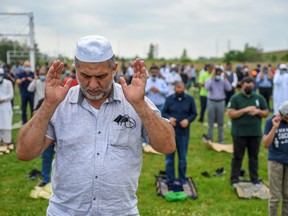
74	82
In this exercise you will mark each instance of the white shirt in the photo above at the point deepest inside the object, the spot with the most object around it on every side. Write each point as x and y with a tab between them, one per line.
160	97
280	90
6	112
170	80
38	87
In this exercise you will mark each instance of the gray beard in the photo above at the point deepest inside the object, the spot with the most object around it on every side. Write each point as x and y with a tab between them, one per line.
95	97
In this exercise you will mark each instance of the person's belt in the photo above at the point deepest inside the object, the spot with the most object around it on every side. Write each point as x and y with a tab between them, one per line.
216	100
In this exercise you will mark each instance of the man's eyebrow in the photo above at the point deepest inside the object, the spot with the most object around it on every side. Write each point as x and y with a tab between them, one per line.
99	75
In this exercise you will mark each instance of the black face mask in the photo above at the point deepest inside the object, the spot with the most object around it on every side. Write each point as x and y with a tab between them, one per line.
179	96
248	91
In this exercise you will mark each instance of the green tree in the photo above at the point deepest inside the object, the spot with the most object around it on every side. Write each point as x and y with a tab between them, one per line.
234	55
285	57
184	57
5	45
151	52
252	54
273	58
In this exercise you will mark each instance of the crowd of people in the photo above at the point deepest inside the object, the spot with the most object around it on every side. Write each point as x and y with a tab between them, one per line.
245	94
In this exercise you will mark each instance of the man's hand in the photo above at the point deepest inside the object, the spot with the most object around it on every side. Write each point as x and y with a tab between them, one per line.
250	110
54	92
276	121
173	121
134	93
154	89
184	123
29	79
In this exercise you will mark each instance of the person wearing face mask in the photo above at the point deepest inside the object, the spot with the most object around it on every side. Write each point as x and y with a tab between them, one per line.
23	80
216	87
171	78
38	86
280	82
6	113
264	82
181	110
275	139
156	88
73	76
246	109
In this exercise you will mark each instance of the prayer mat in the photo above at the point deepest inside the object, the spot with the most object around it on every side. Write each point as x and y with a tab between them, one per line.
6	149
216	146
248	190
162	188
41	192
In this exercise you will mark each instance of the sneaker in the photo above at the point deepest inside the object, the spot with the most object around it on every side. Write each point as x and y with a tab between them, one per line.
219	172
205	174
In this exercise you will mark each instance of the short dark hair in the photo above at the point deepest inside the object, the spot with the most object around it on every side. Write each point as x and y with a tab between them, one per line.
154	67
247	80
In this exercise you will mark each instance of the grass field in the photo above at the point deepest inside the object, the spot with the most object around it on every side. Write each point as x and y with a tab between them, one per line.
216	196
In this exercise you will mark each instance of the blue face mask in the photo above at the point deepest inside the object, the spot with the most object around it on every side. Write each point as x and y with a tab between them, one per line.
42	77
283	71
27	69
217	77
1	79
67	72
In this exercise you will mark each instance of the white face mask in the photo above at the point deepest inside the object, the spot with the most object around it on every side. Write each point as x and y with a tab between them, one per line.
27	69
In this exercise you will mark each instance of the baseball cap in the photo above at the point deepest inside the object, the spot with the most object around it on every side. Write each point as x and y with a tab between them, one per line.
93	48
1	71
283	66
284	109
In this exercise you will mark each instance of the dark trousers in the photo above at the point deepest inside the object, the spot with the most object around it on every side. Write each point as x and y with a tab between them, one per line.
182	147
25	99
266	93
203	104
47	157
239	145
229	94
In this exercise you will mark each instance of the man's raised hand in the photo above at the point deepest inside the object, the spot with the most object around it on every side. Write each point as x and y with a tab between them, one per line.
54	92
135	92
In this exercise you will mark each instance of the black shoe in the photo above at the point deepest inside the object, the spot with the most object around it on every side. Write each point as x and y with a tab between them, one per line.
220	171
41	184
242	173
206	174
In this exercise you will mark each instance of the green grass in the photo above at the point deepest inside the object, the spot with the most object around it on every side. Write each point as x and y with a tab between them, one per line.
216	196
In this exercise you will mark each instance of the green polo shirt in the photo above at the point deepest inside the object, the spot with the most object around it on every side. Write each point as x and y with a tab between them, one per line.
247	125
202	79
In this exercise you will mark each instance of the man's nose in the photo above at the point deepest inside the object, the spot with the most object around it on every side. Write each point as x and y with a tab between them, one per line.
93	83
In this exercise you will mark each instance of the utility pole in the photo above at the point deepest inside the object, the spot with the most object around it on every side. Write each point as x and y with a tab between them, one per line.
32	42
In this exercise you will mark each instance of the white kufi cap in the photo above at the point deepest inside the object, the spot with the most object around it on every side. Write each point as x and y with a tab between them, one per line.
93	48
284	109
283	66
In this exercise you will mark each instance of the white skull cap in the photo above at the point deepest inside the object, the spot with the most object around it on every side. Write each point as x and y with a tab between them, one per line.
284	108
283	66
93	48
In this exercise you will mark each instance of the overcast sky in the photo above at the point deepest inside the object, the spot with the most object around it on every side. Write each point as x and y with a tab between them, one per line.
203	27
